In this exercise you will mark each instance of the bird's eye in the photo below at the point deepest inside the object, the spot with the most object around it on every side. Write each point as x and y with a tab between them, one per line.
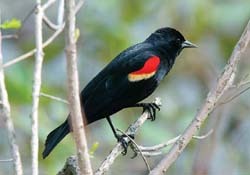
178	40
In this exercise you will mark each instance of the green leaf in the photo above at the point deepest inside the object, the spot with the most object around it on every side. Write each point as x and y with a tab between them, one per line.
93	148
11	24
77	34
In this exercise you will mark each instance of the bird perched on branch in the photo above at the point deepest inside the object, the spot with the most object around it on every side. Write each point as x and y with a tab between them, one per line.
129	78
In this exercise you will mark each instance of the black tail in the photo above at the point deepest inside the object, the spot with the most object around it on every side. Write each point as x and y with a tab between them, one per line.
55	137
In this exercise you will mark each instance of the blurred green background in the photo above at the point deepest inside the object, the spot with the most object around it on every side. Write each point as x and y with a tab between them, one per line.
107	28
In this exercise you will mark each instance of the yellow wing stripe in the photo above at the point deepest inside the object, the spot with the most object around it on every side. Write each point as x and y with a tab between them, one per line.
139	77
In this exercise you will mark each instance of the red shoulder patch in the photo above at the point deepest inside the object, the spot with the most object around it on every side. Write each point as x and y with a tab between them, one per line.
147	71
149	66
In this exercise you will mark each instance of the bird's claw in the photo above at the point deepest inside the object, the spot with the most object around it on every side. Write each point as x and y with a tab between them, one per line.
124	142
151	107
135	150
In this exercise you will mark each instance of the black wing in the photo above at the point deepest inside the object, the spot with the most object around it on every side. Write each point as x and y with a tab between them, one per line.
110	90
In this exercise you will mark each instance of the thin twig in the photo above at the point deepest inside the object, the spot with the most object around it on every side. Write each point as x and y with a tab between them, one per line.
225	80
233	97
50	24
137	149
159	146
32	52
244	80
5	113
14	36
243	83
152	154
36	87
79	5
6	160
53	97
73	91
204	136
60	13
239	85
48	4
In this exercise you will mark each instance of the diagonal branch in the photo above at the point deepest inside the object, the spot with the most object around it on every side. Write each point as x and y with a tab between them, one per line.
53	97
5	114
224	82
71	166
116	151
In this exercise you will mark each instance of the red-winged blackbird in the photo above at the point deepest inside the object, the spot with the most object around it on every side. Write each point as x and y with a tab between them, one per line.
129	78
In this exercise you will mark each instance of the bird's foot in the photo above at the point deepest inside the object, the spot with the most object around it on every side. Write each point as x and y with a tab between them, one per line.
151	108
125	143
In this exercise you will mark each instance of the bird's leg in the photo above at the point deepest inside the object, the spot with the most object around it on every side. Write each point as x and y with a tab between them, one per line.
151	107
120	138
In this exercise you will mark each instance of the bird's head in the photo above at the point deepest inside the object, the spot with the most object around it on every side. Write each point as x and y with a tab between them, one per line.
170	40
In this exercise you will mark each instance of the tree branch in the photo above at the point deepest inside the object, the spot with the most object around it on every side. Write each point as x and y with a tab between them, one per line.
47	4
12	36
5	113
6	160
36	87
79	5
116	151
224	82
71	166
50	39
50	24
60	12
32	52
73	91
53	97
136	149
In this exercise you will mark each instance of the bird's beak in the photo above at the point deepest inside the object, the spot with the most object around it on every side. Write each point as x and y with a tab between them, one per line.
188	44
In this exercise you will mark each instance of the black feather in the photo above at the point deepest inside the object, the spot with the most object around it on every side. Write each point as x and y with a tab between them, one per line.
55	137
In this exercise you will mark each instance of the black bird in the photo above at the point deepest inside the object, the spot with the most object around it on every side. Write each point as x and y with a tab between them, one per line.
129	78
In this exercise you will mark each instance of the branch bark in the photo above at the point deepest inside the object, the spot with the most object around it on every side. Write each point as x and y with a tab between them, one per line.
36	87
73	91
225	80
5	113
